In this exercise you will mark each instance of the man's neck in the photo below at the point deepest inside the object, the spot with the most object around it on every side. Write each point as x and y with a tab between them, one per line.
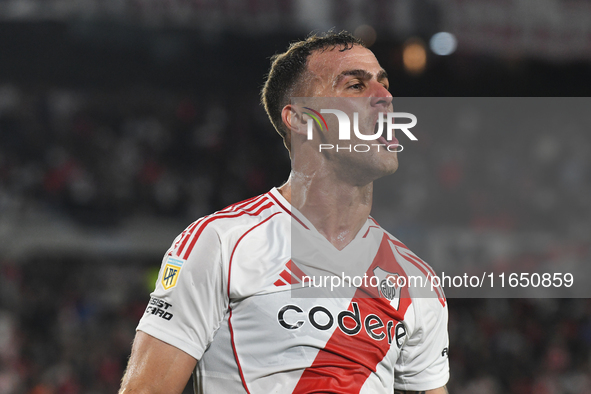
336	209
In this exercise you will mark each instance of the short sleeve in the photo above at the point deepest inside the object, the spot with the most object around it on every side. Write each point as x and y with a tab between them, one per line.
423	363
190	298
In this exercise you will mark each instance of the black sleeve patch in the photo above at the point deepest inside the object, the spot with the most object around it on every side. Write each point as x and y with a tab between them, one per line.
159	308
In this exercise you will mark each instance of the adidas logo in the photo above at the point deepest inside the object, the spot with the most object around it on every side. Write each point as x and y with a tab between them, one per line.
291	275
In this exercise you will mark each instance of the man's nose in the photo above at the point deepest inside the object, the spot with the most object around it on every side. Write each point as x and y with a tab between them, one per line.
380	96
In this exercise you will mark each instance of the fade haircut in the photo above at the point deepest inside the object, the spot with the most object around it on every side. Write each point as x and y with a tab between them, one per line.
289	68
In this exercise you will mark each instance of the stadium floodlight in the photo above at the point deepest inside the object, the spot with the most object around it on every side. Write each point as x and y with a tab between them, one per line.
443	43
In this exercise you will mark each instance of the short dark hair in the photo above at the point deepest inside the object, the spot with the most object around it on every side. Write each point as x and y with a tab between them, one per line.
288	68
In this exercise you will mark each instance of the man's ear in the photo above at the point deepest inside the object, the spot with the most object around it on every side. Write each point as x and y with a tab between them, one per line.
293	119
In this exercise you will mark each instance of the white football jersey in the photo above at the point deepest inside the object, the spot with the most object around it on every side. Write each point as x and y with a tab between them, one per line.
233	293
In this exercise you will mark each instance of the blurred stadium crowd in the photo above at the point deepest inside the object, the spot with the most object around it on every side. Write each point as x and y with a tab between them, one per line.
101	157
66	325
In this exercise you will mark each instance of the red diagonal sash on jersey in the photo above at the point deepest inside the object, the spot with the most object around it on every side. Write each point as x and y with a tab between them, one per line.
346	361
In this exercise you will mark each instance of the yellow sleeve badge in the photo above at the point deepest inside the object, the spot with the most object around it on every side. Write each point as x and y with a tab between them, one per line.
171	272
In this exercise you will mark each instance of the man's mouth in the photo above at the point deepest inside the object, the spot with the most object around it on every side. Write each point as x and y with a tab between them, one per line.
382	139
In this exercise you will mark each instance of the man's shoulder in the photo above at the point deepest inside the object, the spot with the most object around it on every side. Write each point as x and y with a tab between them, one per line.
239	216
248	212
227	225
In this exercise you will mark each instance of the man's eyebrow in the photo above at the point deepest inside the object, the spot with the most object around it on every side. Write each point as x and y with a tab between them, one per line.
382	75
359	73
362	74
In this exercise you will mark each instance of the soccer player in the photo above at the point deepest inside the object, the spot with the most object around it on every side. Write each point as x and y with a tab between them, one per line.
226	305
